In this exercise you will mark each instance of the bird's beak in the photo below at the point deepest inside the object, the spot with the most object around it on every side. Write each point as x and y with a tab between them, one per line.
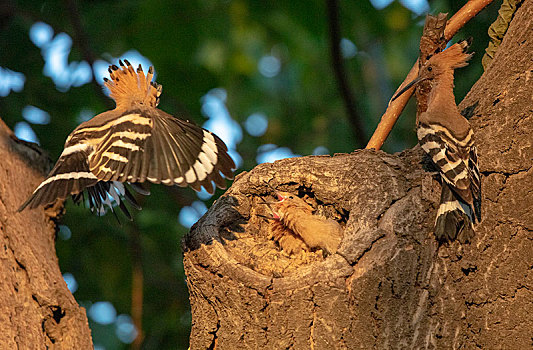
407	87
280	197
275	215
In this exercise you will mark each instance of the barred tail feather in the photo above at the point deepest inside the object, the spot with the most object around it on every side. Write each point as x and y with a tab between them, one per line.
455	218
108	195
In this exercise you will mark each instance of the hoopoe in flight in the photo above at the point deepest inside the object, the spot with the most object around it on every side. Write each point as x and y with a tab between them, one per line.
446	136
135	142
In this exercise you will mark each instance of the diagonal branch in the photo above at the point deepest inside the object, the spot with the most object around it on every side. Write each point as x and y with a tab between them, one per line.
395	108
338	67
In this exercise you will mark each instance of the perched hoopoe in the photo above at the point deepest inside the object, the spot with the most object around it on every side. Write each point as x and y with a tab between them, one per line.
446	136
134	143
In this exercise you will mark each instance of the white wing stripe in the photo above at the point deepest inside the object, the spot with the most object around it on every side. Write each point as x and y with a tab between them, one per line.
120	143
104	169
132	135
68	176
422	132
440	155
209	147
434	128
209	140
200	170
79	147
115	156
450	165
204	164
208	165
462	175
428	146
132	118
189	175
447	207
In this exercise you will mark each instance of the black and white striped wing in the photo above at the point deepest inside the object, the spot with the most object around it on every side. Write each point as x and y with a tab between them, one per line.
454	218
456	159
70	175
451	156
160	148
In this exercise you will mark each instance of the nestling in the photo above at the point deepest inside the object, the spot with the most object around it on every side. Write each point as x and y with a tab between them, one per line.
316	231
288	241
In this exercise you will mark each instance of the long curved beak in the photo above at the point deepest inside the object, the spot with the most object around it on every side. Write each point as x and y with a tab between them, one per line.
407	87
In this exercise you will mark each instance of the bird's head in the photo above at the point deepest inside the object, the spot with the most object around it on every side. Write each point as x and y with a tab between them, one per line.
444	62
291	201
286	202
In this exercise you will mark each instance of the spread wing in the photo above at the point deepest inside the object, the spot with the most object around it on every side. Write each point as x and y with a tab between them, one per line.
154	146
143	144
70	175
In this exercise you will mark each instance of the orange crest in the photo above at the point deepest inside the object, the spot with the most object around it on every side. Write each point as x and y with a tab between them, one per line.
453	57
129	87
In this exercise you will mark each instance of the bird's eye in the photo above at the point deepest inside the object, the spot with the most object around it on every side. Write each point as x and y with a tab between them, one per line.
430	69
291	197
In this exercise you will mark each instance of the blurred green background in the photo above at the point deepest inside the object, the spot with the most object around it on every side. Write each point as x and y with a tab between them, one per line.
257	73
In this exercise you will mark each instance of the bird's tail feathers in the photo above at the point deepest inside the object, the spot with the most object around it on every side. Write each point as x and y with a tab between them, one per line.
455	218
106	195
128	86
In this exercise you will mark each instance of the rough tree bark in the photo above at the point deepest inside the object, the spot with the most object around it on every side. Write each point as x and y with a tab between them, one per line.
37	311
389	285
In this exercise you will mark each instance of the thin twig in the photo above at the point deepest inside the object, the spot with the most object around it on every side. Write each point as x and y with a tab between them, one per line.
395	108
338	67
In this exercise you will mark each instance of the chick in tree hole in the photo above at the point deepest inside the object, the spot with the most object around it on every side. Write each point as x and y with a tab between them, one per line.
295	222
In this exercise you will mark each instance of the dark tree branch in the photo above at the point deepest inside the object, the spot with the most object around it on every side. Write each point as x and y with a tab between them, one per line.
338	67
81	40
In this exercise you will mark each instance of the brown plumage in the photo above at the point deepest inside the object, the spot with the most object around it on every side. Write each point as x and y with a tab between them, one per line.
446	136
297	216
288	241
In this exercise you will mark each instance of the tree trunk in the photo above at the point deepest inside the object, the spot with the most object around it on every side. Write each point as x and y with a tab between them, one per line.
389	285
38	311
